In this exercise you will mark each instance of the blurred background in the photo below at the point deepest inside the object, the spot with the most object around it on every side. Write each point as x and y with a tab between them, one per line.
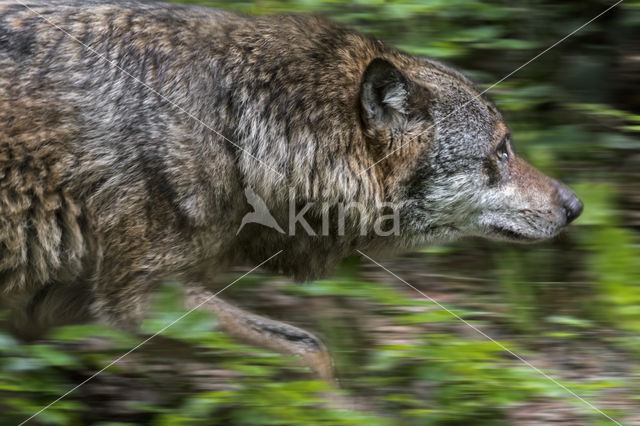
570	306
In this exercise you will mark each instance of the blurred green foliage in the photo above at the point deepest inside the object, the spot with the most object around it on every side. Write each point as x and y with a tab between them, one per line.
574	113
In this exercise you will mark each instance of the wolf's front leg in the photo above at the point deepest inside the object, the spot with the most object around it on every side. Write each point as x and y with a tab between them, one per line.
264	332
33	313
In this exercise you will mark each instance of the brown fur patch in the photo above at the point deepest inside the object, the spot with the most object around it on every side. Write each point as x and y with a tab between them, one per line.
39	220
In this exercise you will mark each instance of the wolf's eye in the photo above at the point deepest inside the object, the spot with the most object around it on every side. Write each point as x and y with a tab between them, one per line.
501	151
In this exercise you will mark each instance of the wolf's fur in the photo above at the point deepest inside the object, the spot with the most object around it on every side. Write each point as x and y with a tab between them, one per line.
108	186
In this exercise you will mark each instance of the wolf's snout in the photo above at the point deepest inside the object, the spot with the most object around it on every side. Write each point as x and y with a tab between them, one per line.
570	202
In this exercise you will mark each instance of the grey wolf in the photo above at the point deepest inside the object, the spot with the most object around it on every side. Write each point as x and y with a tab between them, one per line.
107	189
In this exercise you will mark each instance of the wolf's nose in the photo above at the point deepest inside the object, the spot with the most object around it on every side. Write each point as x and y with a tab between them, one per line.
571	204
573	208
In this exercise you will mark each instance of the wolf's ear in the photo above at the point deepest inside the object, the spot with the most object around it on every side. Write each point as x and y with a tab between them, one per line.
384	94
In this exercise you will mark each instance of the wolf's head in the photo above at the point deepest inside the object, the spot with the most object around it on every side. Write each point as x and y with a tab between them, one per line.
462	175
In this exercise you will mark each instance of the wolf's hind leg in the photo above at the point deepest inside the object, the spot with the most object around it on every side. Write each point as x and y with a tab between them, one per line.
264	332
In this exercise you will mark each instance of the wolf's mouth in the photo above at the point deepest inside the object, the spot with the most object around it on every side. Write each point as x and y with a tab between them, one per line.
511	234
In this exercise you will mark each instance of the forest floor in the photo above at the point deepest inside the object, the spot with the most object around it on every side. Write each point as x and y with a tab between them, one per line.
585	355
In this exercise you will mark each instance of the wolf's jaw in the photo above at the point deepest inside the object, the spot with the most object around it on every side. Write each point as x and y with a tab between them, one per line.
502	233
508	234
